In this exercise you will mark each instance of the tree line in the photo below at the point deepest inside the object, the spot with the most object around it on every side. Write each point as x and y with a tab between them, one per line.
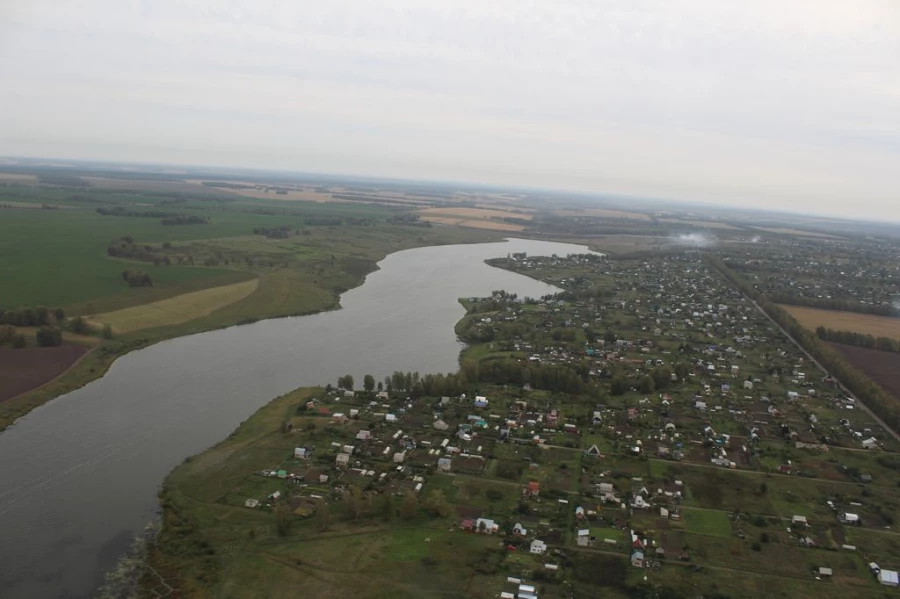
841	305
121	211
884	405
858	339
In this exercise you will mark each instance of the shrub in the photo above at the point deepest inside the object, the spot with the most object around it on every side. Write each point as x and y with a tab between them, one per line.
48	336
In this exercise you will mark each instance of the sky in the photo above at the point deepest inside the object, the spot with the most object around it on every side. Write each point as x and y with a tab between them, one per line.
783	104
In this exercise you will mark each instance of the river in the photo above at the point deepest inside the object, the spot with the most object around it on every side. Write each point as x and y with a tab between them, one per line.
79	475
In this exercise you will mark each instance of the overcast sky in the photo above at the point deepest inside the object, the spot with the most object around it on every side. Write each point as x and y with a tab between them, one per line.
779	104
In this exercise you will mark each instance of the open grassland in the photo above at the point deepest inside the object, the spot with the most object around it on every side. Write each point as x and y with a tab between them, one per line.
176	310
867	324
603	213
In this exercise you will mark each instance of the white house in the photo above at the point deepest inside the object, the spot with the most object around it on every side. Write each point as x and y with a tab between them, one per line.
848	518
538	547
444	464
399	457
301	453
889	578
363	435
489	526
342	460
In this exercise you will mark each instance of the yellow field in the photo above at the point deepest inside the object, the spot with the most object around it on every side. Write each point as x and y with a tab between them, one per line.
867	324
603	213
175	310
470	213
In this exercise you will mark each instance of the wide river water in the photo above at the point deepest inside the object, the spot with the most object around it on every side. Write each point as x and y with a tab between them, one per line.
79	475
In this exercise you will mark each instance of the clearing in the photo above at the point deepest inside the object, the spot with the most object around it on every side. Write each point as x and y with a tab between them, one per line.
867	324
175	310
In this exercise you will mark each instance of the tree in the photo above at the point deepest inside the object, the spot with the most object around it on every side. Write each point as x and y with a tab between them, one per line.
80	325
321	517
437	504
48	336
7	332
369	383
18	341
107	331
380	386
284	519
646	384
618	385
137	278
354	501
345	382
409	507
387	507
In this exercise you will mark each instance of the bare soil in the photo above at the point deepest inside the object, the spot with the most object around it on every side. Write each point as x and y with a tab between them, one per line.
881	366
24	369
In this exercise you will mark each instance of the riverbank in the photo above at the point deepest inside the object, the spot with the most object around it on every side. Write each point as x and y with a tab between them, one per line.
307	287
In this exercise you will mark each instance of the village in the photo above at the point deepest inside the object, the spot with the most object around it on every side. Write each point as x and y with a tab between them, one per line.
648	418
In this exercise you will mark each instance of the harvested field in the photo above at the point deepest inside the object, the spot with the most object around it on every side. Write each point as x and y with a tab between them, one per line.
603	213
881	366
867	324
473	213
175	310
24	369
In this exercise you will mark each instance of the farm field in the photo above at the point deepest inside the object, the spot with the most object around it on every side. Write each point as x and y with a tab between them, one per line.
24	369
867	324
479	218
177	309
881	366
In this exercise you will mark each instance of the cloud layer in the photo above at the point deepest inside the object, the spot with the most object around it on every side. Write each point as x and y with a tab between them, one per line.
773	104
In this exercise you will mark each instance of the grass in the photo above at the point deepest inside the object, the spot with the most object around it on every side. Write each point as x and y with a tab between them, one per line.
708	522
867	324
176	310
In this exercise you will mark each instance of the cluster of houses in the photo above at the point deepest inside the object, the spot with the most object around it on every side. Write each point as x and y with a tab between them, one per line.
796	267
